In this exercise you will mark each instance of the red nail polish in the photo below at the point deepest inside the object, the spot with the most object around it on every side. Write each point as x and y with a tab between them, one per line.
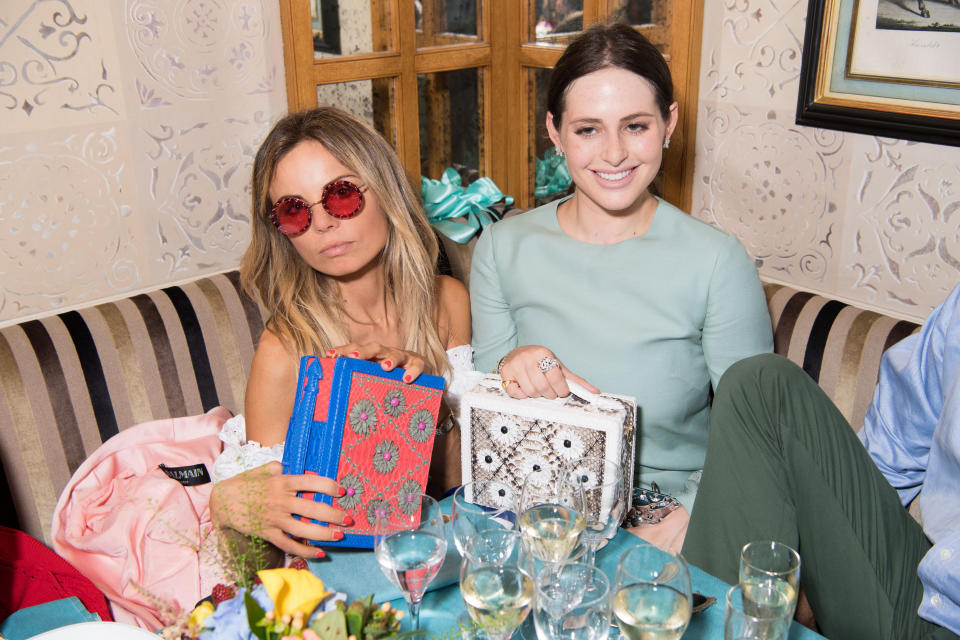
320	554
406	377
347	521
331	352
354	354
338	535
387	363
342	492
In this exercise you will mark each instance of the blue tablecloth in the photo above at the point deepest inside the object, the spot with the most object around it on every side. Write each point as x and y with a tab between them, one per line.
358	574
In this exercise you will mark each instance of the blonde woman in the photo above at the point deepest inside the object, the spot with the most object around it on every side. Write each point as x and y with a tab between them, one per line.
344	258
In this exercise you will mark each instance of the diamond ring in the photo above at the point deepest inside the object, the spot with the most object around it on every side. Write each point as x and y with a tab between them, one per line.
548	363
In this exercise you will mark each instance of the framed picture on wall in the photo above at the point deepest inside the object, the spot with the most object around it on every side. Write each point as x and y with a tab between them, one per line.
883	67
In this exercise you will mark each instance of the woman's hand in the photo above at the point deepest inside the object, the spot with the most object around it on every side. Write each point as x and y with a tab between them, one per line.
389	357
262	502
667	534
533	371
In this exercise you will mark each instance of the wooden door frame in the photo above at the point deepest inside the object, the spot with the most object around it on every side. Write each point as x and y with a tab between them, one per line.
504	58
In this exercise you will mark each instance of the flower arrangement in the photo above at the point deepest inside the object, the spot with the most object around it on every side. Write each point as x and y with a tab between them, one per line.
286	604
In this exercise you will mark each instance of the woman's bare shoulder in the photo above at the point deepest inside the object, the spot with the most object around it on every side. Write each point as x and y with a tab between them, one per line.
453	301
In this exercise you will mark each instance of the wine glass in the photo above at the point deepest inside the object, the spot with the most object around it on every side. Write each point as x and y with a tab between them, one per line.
652	593
772	562
481	505
551	513
410	545
495	581
604	501
572	603
757	611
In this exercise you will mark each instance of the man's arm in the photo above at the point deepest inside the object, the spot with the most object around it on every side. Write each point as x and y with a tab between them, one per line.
907	403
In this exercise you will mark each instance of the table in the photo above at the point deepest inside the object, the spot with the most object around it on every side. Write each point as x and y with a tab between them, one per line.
357	574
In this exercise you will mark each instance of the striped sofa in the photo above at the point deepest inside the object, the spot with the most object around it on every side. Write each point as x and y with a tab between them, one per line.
70	381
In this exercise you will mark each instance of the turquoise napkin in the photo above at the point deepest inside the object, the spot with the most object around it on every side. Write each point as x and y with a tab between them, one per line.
30	621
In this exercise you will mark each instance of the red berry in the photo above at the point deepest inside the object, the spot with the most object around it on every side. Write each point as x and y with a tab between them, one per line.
299	563
222	592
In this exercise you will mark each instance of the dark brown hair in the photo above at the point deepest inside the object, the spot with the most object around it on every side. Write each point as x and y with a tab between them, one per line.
613	45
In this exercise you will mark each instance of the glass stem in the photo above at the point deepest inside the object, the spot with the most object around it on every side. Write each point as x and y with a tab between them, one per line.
414	614
590	552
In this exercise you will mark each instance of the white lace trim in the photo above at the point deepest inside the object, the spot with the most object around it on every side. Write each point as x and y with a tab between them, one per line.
239	455
462	378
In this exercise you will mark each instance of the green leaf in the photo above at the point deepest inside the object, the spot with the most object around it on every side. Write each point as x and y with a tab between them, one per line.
357	615
255	614
331	626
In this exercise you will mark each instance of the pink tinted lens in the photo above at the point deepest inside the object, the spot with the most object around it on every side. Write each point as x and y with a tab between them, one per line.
342	199
291	216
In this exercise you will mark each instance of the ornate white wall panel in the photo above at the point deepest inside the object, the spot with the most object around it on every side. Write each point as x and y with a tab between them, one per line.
861	218
58	65
68	231
128	133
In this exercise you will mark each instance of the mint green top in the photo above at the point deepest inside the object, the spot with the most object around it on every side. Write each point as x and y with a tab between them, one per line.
659	317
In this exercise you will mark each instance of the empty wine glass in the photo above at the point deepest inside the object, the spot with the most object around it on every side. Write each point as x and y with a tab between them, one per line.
481	505
652	593
410	545
757	611
772	562
604	501
572	603
551	513
495	581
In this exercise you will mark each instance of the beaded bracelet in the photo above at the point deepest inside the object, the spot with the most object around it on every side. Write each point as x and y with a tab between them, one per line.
649	507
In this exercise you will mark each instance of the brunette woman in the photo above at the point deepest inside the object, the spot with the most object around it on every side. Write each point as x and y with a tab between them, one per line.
613	286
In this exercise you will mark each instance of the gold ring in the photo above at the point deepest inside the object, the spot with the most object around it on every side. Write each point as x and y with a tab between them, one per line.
506	383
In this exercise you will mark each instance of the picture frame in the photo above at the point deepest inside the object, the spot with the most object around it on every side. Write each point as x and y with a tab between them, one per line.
879	67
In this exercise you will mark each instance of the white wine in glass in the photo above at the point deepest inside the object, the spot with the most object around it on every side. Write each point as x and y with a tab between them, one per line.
495	581
772	562
652	594
497	598
410	546
646	611
551	513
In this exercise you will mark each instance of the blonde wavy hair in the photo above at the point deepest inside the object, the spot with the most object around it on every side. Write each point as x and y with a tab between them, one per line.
304	304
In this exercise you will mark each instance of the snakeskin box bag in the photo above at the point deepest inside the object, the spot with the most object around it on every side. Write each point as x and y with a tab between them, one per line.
503	439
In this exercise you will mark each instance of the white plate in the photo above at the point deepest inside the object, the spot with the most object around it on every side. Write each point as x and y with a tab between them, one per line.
96	631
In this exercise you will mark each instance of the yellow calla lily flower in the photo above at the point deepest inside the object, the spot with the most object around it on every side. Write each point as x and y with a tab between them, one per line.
292	590
200	613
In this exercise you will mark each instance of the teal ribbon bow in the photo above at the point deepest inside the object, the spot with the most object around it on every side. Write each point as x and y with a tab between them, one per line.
552	175
445	199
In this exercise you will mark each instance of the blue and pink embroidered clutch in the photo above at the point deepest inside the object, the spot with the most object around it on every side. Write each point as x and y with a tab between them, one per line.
367	429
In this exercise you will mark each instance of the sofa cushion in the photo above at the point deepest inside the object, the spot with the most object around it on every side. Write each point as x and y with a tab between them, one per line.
838	344
71	381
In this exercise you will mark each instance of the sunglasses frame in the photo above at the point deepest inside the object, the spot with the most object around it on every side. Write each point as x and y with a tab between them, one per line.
327	190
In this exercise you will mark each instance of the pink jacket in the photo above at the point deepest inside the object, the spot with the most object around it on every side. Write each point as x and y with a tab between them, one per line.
134	531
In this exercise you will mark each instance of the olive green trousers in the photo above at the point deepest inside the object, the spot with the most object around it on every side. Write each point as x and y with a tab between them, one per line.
783	464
